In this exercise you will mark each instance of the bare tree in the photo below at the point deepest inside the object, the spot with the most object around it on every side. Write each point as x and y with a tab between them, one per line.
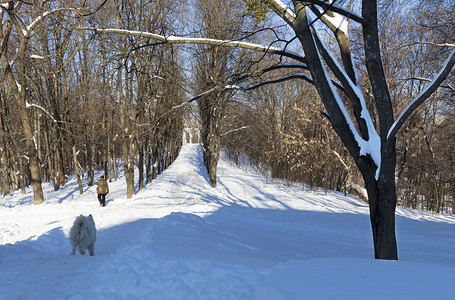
373	150
215	64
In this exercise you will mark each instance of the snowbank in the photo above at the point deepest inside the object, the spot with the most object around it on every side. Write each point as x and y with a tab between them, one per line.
248	238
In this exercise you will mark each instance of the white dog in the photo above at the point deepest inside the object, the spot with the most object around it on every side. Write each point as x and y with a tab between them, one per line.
83	235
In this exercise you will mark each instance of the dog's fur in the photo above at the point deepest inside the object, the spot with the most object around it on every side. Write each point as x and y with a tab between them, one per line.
83	235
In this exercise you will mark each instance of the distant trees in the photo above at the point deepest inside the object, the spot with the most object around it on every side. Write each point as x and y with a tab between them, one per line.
364	121
88	100
425	168
19	22
366	127
215	64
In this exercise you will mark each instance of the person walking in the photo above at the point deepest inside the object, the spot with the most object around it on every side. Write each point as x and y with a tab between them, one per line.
102	190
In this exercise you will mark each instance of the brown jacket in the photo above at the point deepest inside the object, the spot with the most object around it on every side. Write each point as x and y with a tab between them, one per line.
103	187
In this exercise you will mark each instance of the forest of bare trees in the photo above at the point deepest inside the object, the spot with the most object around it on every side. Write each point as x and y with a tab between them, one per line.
73	102
103	85
290	137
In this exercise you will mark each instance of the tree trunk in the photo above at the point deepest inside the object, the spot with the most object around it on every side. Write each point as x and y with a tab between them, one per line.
212	150
382	201
211	115
148	162
19	91
109	160
90	164
19	94
22	176
141	165
56	168
35	170
5	176
128	166
78	171
114	165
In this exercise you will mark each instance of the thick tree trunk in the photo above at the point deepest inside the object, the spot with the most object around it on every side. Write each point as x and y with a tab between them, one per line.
211	115
382	201
381	190
19	95
209	156
128	165
213	151
129	176
35	170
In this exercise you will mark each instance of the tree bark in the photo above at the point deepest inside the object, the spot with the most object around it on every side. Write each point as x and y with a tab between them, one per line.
141	165
3	153
19	91
5	175
78	170
381	190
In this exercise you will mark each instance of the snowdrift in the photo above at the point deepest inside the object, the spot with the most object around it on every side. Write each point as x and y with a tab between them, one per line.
249	238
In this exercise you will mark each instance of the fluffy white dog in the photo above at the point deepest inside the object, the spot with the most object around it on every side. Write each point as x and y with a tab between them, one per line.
83	235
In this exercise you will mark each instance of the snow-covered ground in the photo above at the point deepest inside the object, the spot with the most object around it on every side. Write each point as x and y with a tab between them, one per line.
247	238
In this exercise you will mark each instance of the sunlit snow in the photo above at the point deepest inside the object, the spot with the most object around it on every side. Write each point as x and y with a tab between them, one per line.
248	238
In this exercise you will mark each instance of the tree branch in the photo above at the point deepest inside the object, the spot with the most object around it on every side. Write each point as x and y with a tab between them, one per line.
234	130
204	41
422	96
338	9
283	11
448	86
273	81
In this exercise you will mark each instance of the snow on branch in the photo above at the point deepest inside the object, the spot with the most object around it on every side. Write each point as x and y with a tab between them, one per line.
422	96
283	11
234	130
437	45
28	105
351	89
25	31
446	86
338	9
205	41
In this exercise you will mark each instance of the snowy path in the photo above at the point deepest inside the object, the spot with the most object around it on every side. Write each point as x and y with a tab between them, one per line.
181	239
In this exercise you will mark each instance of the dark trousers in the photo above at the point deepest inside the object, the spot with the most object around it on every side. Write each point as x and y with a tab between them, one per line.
102	199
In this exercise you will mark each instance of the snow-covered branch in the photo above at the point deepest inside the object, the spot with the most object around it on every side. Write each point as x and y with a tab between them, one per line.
438	45
350	88
328	6
205	41
422	96
28	105
283	11
446	86
234	130
26	31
